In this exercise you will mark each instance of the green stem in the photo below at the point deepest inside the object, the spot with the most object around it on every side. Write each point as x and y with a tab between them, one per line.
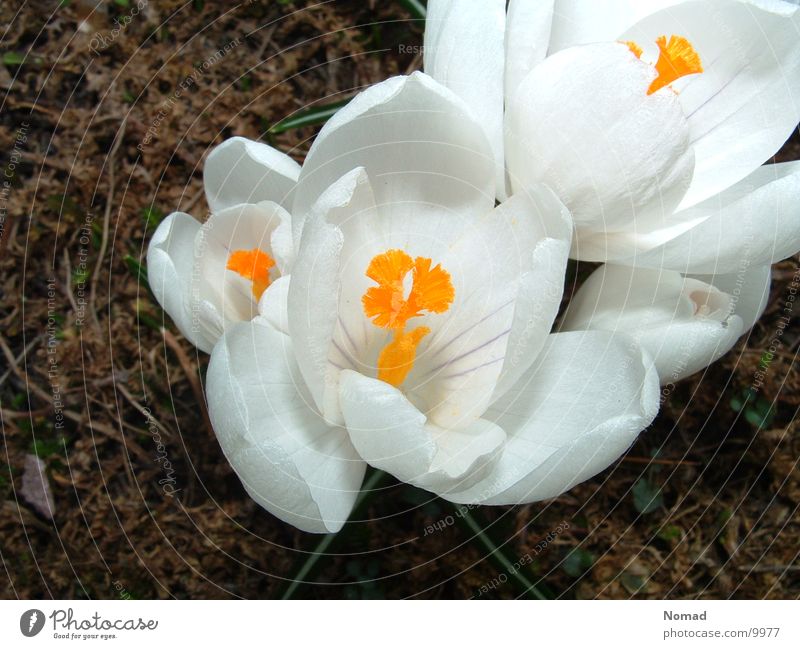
313	116
309	564
415	8
524	585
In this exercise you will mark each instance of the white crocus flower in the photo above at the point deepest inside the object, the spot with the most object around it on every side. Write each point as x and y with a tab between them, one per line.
416	330
209	276
684	322
648	118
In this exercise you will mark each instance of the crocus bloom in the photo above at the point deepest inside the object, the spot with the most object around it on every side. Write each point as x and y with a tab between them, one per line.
208	277
415	332
649	119
684	322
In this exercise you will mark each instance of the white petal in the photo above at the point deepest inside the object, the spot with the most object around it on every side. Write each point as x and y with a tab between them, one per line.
575	413
245	171
290	461
746	103
578	22
684	324
241	227
527	38
748	289
392	435
313	304
508	273
419	144
754	223
623	160
782	7
274	304
170	263
464	51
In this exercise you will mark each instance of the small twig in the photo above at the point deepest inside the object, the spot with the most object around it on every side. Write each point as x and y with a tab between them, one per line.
13	363
650	460
192	202
191	375
68	283
757	568
106	219
416	64
22	355
145	412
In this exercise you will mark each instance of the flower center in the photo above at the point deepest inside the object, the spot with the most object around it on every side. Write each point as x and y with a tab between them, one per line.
389	308
253	265
677	58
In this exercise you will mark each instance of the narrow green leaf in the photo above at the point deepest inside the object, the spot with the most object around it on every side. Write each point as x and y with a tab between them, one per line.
152	216
416	8
313	116
498	557
136	269
13	58
310	563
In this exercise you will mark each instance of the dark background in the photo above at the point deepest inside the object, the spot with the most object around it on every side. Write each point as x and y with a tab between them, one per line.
704	505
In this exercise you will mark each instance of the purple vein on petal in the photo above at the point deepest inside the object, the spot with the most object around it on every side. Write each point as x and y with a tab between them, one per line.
473	369
467	353
470	328
353	347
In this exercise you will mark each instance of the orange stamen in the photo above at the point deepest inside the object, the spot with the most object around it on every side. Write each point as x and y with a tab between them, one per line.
396	360
388	308
634	47
676	59
386	305
253	265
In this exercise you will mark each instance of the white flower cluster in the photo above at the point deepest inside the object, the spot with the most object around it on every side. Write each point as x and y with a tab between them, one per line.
392	302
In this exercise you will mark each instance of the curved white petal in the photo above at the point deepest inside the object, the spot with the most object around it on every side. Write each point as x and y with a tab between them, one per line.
391	434
528	27
782	7
748	289
170	265
464	51
754	223
508	273
746	103
274	304
313	304
245	171
289	460
575	413
241	227
419	144
578	22
683	323
582	123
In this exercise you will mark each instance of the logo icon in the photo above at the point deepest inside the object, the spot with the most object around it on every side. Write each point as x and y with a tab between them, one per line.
31	622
